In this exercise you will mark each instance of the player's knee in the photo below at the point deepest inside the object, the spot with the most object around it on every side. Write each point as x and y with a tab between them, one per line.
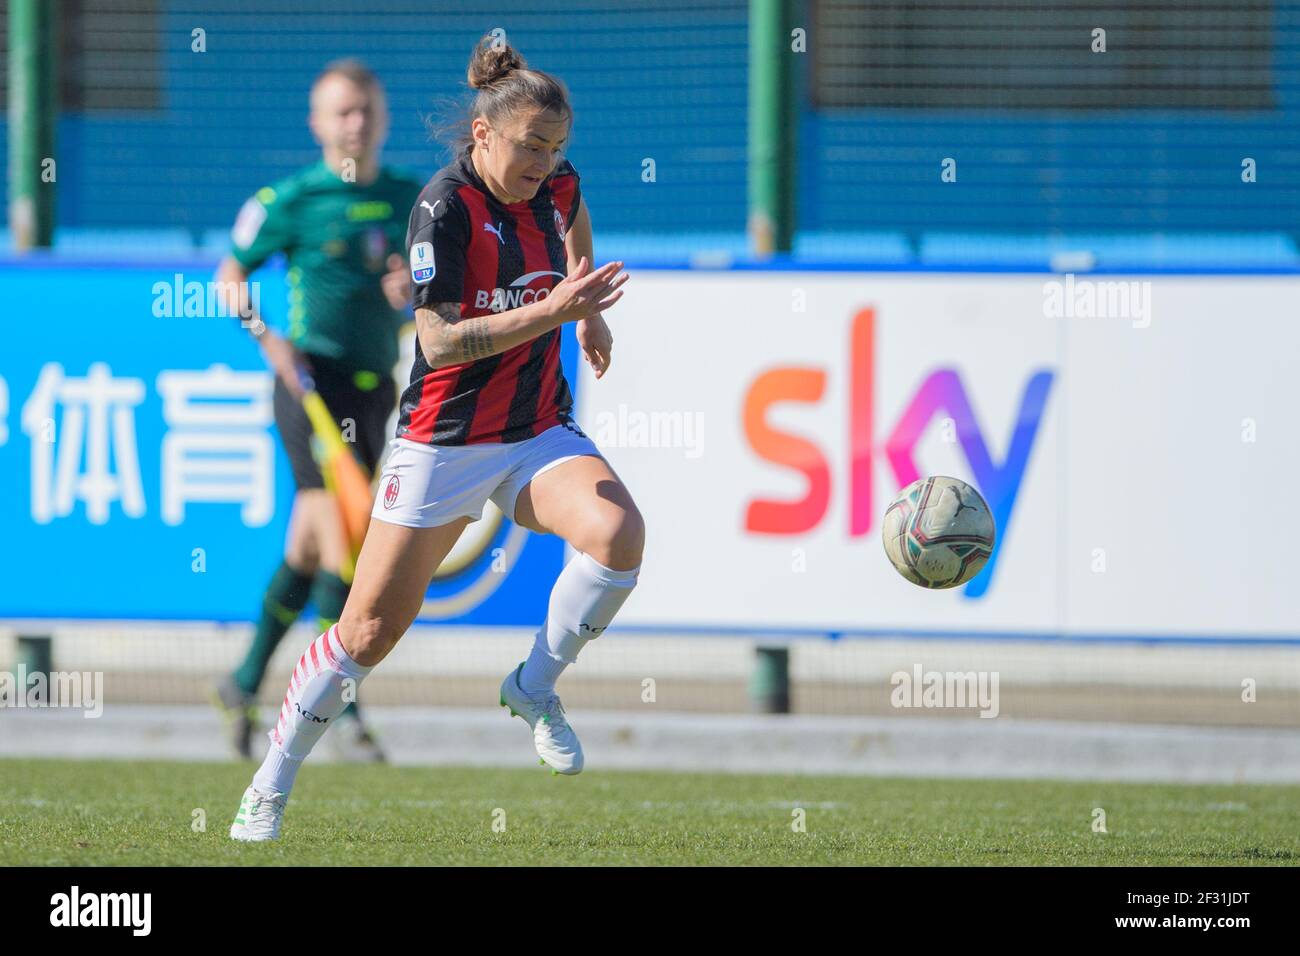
617	539
303	543
332	558
368	637
302	554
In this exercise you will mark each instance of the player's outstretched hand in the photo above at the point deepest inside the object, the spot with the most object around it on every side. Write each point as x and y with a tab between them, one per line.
583	293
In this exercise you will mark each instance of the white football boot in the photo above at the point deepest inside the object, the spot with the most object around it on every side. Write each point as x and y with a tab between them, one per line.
557	745
259	817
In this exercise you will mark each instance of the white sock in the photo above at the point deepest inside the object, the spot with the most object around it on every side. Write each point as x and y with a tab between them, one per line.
583	602
314	699
277	772
541	670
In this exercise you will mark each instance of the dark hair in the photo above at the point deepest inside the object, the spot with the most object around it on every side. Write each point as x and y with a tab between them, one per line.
351	68
506	87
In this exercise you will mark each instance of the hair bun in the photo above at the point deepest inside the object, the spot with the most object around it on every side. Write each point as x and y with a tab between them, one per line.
492	61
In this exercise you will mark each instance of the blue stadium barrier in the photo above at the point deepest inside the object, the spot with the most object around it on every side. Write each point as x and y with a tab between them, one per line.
1158	250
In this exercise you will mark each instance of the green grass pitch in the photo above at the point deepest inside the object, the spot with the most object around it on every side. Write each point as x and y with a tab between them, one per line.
96	813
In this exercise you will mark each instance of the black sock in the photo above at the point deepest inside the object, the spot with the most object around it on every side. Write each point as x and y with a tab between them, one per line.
285	598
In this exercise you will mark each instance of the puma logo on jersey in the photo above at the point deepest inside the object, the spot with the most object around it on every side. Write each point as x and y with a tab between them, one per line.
430	208
495	230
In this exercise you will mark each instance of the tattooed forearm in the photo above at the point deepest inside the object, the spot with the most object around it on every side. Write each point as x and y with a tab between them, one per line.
436	329
448	338
475	338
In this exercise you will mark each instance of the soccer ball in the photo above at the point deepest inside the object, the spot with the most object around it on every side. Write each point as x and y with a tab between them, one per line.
938	532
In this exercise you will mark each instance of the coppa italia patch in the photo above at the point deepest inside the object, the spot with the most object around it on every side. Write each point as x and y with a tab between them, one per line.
422	268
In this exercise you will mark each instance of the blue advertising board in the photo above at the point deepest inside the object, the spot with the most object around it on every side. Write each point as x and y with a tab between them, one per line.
140	473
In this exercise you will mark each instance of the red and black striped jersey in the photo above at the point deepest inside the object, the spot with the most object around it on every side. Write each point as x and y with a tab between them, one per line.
465	246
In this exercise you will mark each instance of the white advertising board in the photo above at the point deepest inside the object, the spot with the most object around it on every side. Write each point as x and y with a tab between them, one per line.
1133	435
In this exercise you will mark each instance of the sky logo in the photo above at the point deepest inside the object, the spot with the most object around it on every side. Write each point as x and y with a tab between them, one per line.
941	392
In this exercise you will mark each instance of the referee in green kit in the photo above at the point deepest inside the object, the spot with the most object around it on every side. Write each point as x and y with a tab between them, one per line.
341	223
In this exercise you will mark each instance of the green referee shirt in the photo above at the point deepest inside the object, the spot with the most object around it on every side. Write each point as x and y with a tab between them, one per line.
337	236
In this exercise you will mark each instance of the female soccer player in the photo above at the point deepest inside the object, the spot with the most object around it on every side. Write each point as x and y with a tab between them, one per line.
500	250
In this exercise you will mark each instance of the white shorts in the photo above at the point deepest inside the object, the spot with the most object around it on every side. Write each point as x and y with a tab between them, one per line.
424	486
